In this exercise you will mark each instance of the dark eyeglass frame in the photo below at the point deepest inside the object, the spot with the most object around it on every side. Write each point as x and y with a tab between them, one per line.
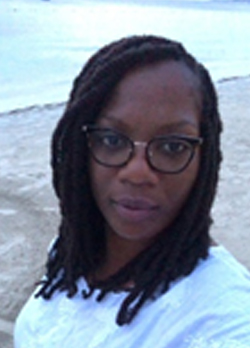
193	143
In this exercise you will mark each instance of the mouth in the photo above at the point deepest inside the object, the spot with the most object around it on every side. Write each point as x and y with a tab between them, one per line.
135	209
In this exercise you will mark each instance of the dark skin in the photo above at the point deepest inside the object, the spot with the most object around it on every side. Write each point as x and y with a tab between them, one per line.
136	201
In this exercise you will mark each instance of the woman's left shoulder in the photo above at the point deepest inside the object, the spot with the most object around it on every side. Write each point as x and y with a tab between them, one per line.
221	271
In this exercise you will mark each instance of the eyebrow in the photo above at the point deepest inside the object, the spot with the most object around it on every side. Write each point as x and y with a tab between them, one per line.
170	127
179	125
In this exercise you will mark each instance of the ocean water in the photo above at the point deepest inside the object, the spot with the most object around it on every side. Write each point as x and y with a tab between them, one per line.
43	44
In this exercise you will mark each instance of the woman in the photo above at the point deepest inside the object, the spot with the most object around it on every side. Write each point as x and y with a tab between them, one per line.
135	162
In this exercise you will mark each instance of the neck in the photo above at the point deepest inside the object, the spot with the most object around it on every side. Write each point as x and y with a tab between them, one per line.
120	252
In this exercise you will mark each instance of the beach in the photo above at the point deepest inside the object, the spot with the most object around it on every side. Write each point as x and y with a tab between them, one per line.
42	49
28	208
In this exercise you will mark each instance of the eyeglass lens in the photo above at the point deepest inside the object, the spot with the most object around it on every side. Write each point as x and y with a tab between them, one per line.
109	147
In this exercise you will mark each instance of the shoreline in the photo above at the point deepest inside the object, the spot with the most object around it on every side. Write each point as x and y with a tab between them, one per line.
52	105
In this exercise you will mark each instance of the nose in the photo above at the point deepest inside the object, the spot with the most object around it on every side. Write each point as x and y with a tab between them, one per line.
138	171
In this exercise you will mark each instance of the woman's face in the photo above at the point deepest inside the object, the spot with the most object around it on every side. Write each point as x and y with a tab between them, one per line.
137	201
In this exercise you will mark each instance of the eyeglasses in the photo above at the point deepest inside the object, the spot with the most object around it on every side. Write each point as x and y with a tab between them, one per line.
167	154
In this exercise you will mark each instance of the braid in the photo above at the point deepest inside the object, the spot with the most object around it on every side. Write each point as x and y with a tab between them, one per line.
80	248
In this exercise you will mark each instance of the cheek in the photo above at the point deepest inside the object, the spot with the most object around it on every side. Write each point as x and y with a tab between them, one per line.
96	176
182	184
191	173
100	179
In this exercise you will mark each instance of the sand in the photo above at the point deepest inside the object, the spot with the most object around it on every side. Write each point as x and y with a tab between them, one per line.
28	210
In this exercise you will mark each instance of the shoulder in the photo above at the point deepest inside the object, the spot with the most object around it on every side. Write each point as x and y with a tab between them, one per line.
220	259
218	283
220	272
211	306
44	323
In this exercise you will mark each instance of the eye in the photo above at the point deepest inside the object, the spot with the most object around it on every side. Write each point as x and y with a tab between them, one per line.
171	147
109	140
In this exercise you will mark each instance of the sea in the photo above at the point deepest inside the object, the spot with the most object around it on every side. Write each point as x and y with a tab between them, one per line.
45	43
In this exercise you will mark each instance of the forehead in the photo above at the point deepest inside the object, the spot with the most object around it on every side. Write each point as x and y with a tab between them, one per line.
165	75
159	93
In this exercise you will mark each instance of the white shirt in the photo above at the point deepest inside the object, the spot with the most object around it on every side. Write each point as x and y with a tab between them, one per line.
208	309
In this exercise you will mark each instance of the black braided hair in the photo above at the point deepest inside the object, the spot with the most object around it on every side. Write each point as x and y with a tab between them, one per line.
81	245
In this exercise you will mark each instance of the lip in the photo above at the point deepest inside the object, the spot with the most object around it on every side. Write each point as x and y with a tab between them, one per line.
135	209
